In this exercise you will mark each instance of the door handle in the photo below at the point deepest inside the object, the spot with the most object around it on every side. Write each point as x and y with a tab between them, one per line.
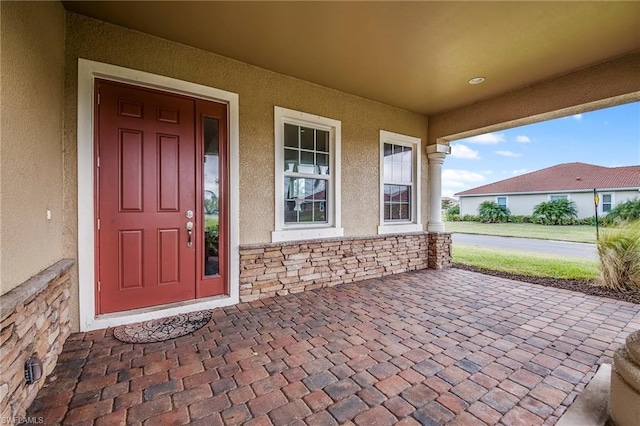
189	233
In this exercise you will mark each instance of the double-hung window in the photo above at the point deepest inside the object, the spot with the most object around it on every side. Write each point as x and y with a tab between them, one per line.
307	170
607	202
558	197
502	201
400	183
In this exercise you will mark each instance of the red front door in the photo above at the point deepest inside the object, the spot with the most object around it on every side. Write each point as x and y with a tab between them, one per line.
149	205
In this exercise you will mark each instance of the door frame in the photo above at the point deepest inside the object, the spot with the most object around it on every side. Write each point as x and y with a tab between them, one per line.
88	71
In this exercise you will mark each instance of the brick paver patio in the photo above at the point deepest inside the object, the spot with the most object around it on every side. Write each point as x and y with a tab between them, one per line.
428	347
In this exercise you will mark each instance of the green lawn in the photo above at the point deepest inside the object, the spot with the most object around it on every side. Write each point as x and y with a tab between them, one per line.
576	233
526	263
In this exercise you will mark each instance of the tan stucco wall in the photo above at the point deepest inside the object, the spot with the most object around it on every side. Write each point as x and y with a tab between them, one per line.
259	91
32	68
603	85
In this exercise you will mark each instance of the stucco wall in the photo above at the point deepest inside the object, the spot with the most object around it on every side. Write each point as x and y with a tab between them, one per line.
607	84
259	91
32	69
524	204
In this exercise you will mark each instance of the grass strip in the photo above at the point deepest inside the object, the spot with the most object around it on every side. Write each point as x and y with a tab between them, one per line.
575	233
526	263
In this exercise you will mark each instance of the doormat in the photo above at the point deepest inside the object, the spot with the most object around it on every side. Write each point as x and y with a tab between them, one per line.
162	329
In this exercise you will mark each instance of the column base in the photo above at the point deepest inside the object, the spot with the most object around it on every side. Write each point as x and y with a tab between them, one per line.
624	402
435	227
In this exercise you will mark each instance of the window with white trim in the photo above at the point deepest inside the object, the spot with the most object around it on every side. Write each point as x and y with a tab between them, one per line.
400	183
501	201
307	170
607	202
558	197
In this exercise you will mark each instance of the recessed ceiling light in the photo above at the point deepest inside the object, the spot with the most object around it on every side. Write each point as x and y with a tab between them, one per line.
476	80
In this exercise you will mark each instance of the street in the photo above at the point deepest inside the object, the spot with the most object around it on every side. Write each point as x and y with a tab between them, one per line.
560	248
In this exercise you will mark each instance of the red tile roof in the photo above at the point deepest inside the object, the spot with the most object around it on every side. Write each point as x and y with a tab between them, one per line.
564	177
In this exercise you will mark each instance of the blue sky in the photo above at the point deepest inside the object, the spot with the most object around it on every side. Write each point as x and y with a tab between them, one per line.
608	137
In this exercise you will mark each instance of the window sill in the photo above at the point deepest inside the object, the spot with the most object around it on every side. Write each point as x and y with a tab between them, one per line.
399	228
305	234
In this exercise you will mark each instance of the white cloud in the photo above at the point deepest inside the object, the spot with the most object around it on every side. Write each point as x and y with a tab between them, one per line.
487	172
577	117
454	181
509	154
454	184
515	172
486	139
461	175
523	139
463	151
448	193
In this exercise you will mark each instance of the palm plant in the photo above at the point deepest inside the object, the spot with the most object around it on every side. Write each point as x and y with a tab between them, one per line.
555	212
619	254
625	212
492	212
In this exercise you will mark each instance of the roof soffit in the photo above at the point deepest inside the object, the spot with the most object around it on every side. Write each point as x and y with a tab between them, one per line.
414	55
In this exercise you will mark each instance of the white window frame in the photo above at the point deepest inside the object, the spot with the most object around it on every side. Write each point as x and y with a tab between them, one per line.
560	195
602	201
506	200
307	231
415	224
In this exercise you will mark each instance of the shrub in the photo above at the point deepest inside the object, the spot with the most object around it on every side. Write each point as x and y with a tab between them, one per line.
492	212
619	252
470	218
453	211
625	212
591	221
556	212
520	219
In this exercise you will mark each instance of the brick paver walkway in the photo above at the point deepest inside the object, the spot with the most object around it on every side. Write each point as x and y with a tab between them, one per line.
428	347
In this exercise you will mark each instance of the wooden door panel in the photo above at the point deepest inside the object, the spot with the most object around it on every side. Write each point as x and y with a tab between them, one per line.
169	256
130	262
130	159
146	145
169	173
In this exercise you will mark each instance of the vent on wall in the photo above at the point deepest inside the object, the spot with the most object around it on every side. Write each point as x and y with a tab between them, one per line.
33	369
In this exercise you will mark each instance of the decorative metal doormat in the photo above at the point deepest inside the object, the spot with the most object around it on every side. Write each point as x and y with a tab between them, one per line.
162	329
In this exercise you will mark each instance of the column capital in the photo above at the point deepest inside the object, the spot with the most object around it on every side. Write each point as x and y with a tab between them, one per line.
438	152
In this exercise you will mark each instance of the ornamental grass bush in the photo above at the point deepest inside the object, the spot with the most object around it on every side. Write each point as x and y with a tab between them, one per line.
619	253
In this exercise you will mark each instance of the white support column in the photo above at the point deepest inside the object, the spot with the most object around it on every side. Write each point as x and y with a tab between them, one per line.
436	154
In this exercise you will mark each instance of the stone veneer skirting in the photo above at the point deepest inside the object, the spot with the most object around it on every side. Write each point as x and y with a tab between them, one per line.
34	319
273	269
439	256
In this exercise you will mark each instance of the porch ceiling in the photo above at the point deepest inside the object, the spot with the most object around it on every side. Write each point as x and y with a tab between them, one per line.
417	56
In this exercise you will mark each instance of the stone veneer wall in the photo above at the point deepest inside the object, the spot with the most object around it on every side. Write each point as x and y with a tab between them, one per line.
34	318
439	256
281	268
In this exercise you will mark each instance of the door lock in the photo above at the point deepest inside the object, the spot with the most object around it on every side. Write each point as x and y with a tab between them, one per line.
189	214
189	233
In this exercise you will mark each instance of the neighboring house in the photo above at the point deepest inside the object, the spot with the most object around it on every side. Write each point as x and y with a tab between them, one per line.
319	130
571	181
